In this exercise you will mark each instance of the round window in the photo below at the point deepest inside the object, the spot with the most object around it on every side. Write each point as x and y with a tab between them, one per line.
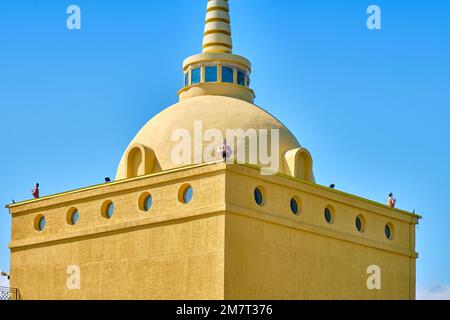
186	194
360	223
294	206
148	203
388	231
145	202
329	215
258	197
108	209
72	216
40	223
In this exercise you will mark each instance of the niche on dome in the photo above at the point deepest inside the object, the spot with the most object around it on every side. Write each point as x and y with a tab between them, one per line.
298	163
140	161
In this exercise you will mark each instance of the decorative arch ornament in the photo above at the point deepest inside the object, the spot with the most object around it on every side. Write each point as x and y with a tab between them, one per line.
299	164
140	161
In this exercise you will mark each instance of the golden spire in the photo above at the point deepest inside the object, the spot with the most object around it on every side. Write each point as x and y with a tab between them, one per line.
217	36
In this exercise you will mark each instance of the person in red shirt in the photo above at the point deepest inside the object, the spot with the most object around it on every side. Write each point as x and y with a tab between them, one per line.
35	191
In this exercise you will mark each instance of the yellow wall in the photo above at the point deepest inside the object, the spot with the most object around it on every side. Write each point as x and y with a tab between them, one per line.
175	251
221	245
271	253
295	264
147	263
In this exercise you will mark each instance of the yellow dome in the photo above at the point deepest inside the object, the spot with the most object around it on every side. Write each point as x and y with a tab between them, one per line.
215	112
217	95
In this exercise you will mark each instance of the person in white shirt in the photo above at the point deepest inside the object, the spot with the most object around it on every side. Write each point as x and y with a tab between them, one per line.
392	201
224	150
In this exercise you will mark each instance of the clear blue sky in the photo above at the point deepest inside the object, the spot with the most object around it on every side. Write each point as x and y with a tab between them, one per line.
373	107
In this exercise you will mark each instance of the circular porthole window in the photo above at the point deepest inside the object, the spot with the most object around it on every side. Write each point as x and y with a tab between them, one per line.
146	202
258	195
388	231
360	224
108	209
186	194
39	223
329	215
295	206
72	216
